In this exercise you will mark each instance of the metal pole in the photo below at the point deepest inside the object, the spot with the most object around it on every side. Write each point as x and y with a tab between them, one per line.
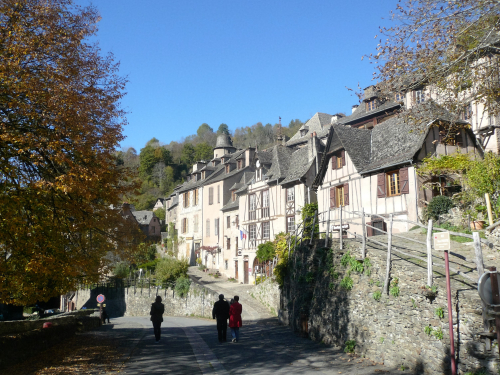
496	300
450	314
429	253
340	230
363	234
389	246
327	228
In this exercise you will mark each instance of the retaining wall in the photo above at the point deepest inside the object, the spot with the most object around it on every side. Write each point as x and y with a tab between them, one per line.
391	330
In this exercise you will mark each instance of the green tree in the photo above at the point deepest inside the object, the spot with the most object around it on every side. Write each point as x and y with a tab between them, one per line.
188	156
223	129
203	151
170	269
203	130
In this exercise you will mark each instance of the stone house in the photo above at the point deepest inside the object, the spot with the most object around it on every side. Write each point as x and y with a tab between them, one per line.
149	224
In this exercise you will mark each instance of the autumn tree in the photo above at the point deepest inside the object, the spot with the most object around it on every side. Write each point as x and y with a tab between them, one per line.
450	47
60	124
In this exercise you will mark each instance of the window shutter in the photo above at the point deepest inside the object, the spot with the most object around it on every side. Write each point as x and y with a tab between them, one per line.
334	162
332	197
211	195
346	194
342	155
381	185
414	95
369	230
404	185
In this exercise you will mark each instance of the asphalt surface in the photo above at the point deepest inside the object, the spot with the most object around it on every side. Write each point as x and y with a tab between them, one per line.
190	345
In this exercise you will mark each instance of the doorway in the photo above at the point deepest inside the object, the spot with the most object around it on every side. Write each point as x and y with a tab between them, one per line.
245	271
236	269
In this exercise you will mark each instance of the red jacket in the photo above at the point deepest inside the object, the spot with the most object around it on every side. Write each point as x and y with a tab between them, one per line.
235	315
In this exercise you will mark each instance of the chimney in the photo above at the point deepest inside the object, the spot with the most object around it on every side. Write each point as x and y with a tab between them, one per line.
313	146
354	107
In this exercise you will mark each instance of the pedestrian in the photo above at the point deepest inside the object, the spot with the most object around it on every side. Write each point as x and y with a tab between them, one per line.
221	313
235	319
105	315
157	310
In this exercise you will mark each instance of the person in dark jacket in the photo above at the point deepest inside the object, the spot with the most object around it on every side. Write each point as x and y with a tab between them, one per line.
221	313
157	310
235	319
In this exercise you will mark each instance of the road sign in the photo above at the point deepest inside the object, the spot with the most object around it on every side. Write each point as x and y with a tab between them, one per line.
100	298
337	227
442	241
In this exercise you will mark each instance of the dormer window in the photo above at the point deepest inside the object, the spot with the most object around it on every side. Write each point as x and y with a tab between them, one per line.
228	168
418	96
399	97
233	195
303	132
203	175
240	164
371	105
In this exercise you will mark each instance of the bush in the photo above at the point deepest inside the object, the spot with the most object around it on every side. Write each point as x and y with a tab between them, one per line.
121	270
260	279
439	205
149	266
170	269
182	285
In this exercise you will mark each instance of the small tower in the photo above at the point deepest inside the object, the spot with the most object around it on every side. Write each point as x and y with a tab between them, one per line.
223	146
280	137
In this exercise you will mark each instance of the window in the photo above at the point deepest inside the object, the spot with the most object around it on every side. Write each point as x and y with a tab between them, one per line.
218	193
195	226
303	132
235	246
226	264
467	112
290	224
339	196
252	207
240	164
338	159
210	195
216	227
207	229
237	220
228	221
371	105
399	97
184	225
266	229
252	230
203	175
418	96
393	187
185	197
228	243
195	197
290	194
265	203
233	195
258	174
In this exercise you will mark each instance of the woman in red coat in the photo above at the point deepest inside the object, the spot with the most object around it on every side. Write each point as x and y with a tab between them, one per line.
235	319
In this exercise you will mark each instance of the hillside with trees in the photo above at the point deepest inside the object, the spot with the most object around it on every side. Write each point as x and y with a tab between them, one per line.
160	167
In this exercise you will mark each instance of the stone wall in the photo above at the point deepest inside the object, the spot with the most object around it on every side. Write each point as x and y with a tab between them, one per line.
268	294
391	330
134	301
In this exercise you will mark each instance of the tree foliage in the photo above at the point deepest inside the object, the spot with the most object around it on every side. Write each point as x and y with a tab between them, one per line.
170	269
266	251
450	46
60	124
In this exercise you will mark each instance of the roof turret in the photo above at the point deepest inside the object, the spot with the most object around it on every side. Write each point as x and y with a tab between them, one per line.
224	141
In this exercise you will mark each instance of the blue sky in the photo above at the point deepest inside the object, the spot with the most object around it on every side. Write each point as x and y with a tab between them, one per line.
236	61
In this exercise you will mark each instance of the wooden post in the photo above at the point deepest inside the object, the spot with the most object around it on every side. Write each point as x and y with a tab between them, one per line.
363	234
312	230
488	206
327	228
389	246
340	230
429	253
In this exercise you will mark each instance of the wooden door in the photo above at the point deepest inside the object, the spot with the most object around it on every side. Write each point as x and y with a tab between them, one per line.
236	269
245	270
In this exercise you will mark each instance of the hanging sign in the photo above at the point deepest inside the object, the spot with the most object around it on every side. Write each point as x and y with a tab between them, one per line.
441	241
337	227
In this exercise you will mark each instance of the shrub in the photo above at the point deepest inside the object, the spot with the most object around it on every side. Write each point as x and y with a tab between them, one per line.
377	295
182	285
121	270
259	280
350	345
394	289
170	269
439	205
347	283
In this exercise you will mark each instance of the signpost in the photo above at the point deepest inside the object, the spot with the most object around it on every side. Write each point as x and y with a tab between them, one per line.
100	299
442	242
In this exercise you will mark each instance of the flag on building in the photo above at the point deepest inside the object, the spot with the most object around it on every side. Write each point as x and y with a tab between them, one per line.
243	235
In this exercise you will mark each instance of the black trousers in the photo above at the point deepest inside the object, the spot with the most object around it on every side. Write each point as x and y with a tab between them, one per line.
222	329
157	329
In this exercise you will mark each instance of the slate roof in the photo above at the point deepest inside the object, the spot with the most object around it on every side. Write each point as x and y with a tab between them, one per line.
361	112
224	141
231	205
356	142
265	157
319	123
245	180
143	217
298	166
280	162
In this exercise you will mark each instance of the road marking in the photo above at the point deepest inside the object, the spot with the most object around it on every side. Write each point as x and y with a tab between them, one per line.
206	359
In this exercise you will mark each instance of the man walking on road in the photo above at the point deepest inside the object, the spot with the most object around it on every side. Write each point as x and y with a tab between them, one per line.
221	312
157	310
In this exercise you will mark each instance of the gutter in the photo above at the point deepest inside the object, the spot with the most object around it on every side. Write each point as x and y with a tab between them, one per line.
387	166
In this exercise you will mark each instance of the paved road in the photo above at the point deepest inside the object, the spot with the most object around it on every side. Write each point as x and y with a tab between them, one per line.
190	345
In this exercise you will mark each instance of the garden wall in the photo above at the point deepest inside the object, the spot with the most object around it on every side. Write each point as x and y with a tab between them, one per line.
133	301
391	330
268	294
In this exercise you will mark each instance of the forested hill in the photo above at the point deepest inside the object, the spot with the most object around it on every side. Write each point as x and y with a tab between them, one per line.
160	167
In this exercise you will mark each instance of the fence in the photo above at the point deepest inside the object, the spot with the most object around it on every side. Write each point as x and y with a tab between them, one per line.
359	218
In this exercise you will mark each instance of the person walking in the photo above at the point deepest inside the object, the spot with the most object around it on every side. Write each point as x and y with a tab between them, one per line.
221	313
157	310
235	319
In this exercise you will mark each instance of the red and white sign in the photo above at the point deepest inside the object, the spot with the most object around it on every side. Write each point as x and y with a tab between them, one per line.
100	298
